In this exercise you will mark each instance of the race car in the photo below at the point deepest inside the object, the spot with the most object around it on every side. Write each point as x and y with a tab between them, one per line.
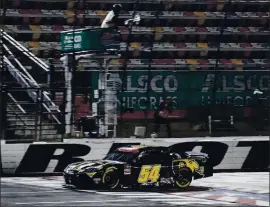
138	165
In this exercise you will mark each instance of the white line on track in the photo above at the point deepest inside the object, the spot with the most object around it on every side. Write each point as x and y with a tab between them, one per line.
67	202
149	196
228	199
181	203
262	203
130	193
34	192
188	200
87	191
202	195
227	189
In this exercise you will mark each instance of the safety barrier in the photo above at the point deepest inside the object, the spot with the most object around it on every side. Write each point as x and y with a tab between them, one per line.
226	154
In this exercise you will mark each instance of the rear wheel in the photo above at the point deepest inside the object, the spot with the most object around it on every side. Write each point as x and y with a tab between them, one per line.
110	178
183	178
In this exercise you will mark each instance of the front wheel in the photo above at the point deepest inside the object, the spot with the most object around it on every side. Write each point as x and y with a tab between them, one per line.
184	178
110	178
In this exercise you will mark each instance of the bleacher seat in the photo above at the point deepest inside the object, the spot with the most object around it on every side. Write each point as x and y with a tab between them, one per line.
187	33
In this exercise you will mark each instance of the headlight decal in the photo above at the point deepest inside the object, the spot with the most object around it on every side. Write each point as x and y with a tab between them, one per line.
91	174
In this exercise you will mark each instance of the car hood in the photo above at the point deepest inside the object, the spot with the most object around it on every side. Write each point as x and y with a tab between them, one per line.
91	164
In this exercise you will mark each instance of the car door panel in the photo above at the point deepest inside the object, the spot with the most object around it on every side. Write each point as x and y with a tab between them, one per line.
149	168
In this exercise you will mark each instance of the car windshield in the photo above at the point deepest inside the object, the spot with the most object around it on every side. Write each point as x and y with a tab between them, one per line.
120	156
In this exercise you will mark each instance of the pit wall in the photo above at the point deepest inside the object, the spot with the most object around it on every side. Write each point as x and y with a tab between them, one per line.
226	154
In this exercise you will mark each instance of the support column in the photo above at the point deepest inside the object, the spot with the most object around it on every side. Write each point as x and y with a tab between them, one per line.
68	105
3	112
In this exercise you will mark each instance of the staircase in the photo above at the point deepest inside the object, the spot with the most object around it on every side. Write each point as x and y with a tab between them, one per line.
31	114
27	125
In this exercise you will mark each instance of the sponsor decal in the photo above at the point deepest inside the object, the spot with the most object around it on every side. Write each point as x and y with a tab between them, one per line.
127	170
97	180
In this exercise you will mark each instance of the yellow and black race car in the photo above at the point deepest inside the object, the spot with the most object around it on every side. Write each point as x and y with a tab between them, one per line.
137	165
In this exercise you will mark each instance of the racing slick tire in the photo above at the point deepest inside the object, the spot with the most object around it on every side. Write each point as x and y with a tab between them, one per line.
184	178
110	178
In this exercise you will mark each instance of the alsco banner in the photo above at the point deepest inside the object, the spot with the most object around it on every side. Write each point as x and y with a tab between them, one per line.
145	90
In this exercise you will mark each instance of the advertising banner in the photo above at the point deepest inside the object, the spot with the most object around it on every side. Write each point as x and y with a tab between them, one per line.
90	39
226	154
144	90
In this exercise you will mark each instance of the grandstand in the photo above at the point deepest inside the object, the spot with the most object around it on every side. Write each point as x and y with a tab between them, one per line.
200	52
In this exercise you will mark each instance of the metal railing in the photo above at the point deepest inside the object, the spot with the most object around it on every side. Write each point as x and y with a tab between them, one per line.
22	75
25	51
27	121
26	83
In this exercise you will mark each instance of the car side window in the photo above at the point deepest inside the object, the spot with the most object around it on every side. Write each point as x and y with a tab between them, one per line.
151	158
166	159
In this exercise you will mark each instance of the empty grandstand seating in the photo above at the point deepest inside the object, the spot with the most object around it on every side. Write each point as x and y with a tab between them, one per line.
187	32
184	31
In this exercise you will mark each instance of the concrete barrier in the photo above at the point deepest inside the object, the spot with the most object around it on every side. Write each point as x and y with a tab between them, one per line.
226	154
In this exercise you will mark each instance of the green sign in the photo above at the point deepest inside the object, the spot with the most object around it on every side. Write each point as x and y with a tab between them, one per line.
144	91
90	40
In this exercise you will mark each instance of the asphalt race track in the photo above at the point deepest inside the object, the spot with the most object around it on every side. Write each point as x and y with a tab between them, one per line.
223	189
